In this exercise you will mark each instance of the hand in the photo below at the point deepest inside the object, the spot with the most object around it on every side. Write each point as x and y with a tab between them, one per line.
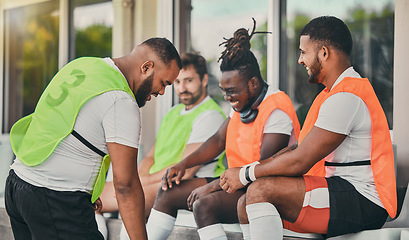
98	205
230	181
174	173
198	193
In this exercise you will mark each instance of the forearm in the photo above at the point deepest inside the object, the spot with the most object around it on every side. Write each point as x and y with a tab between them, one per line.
207	152
132	208
287	164
154	177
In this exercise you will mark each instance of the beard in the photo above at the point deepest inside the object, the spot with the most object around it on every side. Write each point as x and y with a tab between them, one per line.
144	91
193	98
315	71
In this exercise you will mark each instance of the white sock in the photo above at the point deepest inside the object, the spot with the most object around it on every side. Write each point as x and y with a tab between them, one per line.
102	225
212	232
245	229
265	222
160	225
123	234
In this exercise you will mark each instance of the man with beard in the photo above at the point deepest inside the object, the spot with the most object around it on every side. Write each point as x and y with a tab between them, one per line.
341	177
87	117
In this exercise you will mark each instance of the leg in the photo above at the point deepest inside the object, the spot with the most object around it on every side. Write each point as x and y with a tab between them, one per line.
18	225
243	219
270	199
173	199
218	207
163	215
285	193
150	192
212	210
241	210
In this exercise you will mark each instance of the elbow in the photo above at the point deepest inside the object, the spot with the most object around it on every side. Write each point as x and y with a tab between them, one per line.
124	188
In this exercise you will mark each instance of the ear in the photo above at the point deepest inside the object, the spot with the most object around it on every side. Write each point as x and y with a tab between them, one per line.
254	83
205	80
324	52
146	66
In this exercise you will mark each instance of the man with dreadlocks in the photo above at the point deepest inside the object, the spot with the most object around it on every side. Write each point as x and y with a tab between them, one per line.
345	152
261	123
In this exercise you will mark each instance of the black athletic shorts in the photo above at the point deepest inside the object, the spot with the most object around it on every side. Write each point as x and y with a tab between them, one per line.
350	211
41	213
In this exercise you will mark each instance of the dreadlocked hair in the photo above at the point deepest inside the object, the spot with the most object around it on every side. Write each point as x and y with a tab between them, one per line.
238	56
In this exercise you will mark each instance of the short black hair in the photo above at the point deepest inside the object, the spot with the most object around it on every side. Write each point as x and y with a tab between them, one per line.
195	60
330	30
164	49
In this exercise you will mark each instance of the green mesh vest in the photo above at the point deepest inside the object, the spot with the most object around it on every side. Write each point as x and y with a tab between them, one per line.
173	134
35	137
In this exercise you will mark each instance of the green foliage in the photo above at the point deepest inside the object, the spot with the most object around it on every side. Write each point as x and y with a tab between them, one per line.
95	40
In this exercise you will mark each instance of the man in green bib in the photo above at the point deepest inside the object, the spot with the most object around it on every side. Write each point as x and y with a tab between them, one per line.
87	117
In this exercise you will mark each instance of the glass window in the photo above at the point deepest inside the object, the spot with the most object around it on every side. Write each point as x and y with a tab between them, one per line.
91	28
31	57
213	20
372	26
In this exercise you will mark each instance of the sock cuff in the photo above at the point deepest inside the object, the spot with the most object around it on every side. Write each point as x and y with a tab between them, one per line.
161	219
245	229
258	210
211	232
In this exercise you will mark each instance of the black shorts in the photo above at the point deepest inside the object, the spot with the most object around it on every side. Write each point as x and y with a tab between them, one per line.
350	211
41	213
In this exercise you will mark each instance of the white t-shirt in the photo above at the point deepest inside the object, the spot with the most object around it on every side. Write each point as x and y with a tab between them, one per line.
113	116
278	121
204	126
346	113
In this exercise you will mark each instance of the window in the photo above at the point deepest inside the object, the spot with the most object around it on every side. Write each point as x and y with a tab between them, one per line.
31	57
91	28
372	26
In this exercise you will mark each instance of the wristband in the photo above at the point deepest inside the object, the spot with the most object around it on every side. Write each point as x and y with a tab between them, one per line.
242	176
252	176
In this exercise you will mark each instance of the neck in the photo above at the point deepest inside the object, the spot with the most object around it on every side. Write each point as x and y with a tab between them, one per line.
188	107
331	76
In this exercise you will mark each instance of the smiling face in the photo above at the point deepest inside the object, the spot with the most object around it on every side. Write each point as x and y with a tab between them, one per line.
188	86
236	91
310	60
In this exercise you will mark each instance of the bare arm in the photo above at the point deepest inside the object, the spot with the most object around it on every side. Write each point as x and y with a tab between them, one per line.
148	160
208	151
271	144
316	145
128	189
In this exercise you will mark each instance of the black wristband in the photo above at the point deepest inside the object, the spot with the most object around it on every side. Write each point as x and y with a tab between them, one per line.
246	174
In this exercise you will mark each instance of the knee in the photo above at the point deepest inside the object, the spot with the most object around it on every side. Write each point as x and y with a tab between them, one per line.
241	210
163	198
263	190
203	206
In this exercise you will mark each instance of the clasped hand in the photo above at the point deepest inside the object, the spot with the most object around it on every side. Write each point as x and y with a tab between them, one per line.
230	181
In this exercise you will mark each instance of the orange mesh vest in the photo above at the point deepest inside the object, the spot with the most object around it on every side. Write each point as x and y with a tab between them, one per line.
243	141
382	159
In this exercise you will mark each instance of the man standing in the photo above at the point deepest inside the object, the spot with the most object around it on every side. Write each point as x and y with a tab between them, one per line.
90	108
183	129
340	179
